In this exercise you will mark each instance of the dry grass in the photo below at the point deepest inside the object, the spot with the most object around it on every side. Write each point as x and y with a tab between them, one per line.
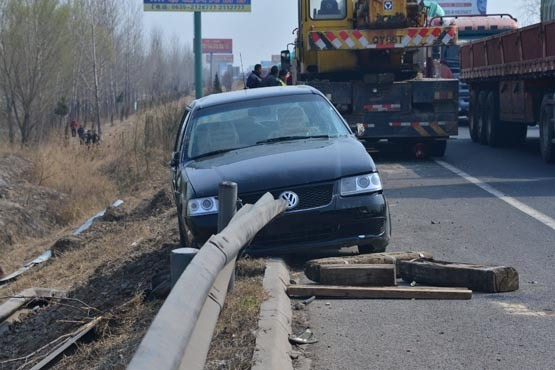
235	336
130	162
117	260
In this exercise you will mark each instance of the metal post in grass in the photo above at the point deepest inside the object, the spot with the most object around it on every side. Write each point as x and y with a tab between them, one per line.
179	260
227	203
227	207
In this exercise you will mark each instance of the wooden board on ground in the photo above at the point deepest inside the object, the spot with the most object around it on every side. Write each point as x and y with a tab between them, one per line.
15	303
358	275
330	291
312	268
72	340
488	279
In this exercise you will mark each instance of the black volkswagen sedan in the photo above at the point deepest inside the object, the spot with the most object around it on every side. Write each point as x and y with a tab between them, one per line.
291	142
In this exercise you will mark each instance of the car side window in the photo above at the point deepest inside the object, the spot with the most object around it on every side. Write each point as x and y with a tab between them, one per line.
181	133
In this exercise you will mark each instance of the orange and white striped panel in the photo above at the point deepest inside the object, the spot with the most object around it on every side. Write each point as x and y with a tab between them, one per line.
382	39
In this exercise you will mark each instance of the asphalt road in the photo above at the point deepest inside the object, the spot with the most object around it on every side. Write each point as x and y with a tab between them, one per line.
438	211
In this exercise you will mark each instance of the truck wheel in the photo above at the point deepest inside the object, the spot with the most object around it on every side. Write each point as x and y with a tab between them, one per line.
437	148
474	116
493	130
482	118
547	135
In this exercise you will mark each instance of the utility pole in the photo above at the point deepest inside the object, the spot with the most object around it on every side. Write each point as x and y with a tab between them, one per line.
198	55
197	6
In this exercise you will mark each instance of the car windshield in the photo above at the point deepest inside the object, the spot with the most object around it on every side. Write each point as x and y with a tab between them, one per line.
262	122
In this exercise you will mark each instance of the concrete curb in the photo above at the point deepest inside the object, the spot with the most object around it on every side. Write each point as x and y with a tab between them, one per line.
274	326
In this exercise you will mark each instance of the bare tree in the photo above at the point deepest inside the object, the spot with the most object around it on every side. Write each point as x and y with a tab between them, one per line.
90	51
32	42
531	10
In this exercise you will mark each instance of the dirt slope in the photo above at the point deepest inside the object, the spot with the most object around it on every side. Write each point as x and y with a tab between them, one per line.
26	210
108	273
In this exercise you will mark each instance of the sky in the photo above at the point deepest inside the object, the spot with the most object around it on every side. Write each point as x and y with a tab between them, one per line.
265	31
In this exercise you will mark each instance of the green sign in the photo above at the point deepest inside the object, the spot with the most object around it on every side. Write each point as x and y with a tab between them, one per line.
197	5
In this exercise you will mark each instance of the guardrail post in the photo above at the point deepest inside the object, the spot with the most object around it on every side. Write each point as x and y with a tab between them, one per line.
227	199
227	203
179	260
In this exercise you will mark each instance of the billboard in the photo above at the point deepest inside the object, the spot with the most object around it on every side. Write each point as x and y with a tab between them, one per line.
276	59
464	7
220	46
197	5
220	58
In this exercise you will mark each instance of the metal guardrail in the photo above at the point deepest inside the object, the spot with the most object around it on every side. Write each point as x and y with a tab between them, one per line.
180	335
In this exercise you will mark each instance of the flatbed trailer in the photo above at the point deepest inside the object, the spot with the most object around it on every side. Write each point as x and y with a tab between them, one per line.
512	86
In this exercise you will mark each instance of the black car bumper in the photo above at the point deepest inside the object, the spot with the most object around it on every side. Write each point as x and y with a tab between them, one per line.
345	222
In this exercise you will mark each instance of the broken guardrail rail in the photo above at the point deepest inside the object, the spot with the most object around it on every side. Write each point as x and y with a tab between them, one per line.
180	335
48	254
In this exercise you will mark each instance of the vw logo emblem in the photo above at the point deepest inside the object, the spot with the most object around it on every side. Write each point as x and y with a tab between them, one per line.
291	198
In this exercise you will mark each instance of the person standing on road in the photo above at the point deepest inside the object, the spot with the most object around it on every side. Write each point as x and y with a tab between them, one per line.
283	76
255	78
272	78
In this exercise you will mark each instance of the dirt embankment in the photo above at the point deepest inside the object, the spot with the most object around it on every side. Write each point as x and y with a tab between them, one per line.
26	210
108	272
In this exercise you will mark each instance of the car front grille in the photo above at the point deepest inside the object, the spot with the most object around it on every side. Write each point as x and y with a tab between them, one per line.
312	196
308	234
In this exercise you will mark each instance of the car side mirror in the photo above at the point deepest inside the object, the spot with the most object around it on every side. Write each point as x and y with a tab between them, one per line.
174	162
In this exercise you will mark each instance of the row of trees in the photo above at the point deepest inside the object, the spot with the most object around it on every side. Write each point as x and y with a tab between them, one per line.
87	60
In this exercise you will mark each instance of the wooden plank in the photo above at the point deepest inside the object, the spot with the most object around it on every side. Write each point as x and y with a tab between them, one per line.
312	268
488	279
13	304
76	336
331	291
358	275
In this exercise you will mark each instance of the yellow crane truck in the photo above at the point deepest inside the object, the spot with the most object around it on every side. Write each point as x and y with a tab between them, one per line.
369	57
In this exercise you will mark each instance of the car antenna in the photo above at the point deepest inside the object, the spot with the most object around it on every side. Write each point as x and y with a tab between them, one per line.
243	71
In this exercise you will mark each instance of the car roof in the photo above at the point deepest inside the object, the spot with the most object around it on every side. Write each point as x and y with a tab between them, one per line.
252	94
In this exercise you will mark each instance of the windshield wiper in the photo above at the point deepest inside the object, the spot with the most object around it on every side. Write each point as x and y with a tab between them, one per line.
287	138
216	152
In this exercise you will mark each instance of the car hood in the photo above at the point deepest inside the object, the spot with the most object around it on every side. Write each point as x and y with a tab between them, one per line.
279	165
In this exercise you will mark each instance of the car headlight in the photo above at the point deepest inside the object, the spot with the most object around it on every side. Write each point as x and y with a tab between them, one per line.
361	184
203	206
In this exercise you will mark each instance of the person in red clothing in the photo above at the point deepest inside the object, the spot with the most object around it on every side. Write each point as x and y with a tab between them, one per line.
74	126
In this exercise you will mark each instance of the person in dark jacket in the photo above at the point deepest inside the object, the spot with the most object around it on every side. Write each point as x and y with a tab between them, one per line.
272	78
255	78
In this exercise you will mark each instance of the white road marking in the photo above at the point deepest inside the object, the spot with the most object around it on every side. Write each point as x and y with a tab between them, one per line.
522	310
539	216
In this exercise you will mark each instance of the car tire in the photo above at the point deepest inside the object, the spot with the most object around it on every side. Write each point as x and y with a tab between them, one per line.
482	118
547	134
474	116
437	148
494	133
